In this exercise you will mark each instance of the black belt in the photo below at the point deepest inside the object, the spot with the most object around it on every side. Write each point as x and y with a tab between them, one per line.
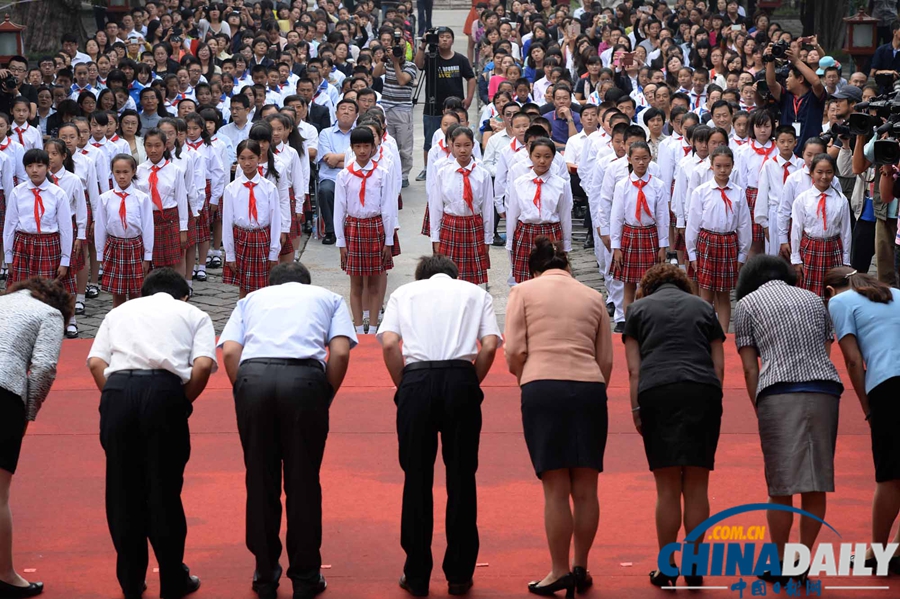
308	363
152	372
438	365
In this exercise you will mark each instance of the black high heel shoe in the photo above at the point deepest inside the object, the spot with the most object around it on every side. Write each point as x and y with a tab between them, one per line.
583	579
693	580
8	591
566	582
658	579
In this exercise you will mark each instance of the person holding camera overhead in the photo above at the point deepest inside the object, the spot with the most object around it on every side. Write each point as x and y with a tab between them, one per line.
802	97
397	94
452	67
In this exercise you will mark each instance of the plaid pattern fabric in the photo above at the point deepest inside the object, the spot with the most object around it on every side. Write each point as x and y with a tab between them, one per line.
523	242
307	205
717	267
639	250
819	255
462	240
2	207
192	230
296	219
365	240
167	249
34	255
200	230
426	223
76	262
758	235
287	247
89	229
251	257
395	249
123	265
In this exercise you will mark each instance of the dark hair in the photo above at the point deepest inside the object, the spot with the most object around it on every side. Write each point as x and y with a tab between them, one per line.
758	118
546	255
436	264
165	280
262	131
462	131
663	274
36	155
826	157
785	130
291	272
127	158
721	151
862	283
198	120
154	132
61	147
542	141
814	141
761	269
362	135
49	291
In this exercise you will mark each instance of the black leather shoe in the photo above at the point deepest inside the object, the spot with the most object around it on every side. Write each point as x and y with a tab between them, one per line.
329	239
8	591
310	591
620	327
412	591
566	582
190	586
611	309
589	242
583	579
267	589
459	588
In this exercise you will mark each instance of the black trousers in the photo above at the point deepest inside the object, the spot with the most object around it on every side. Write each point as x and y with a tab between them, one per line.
444	400
144	432
282	416
862	245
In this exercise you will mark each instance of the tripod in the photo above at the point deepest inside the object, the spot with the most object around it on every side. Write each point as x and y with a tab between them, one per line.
429	81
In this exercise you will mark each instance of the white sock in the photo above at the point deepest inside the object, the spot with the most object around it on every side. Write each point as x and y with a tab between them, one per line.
360	330
72	321
365	313
200	268
190	283
217	253
79	298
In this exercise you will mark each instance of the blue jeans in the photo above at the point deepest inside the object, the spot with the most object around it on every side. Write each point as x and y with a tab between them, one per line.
424	8
431	124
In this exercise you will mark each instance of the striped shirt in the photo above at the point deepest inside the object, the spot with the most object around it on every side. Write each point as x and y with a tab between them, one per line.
393	94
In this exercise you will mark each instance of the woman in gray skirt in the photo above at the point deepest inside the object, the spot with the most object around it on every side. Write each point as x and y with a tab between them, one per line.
784	334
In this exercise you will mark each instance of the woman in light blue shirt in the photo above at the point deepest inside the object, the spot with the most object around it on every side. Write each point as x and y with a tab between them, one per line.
866	316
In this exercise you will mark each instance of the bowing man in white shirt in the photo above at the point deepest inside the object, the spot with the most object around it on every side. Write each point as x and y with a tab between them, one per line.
718	235
37	231
151	360
539	203
772	178
820	227
462	212
639	223
251	223
364	217
163	181
123	233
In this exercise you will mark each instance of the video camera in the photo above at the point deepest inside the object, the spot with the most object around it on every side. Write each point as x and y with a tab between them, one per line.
887	109
778	51
431	37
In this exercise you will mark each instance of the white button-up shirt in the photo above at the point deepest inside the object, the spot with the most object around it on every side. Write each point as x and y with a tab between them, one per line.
290	321
771	184
556	205
615	172
283	185
236	212
796	183
101	165
680	200
15	152
378	201
709	211
170	187
87	172
492	150
501	179
138	217
30	137
450	199
671	152
807	218
56	218
459	315
71	185
155	333
749	162
209	165
625	203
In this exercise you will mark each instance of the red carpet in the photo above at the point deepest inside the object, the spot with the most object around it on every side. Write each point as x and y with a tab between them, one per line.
60	526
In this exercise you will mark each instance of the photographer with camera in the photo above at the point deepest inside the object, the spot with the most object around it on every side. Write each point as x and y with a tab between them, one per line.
802	98
397	93
444	72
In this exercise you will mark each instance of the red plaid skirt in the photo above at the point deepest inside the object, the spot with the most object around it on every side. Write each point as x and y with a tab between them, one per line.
307	205
2	207
758	235
523	243
296	220
426	223
640	246
288	247
167	250
200	228
395	249
462	240
717	260
76	262
819	255
123	260
251	257
89	228
365	239
35	255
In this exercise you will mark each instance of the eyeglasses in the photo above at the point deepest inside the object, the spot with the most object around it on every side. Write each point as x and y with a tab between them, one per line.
16	69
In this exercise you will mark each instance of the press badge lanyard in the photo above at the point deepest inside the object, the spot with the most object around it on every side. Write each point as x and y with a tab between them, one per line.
798	103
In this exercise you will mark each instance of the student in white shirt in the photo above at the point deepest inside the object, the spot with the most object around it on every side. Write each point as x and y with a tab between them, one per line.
226	153
750	160
296	170
462	211
37	230
772	178
99	124
272	167
500	139
718	235
820	227
538	203
639	223
251	223
703	172
159	178
796	183
28	137
212	173
6	188
364	218
13	149
681	203
123	233
438	156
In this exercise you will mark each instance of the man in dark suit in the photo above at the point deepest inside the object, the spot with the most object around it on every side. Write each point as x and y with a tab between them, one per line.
319	116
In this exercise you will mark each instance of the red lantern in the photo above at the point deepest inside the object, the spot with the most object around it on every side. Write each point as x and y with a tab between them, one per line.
117	7
768	5
862	35
11	43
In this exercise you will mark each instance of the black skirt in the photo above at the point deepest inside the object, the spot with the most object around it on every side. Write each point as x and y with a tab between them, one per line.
884	420
565	424
680	424
12	429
